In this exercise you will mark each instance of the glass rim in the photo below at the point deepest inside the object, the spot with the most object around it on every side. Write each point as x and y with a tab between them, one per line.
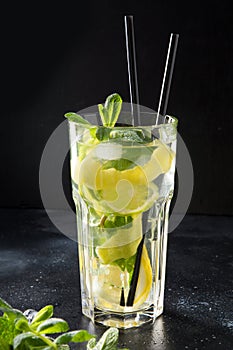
173	121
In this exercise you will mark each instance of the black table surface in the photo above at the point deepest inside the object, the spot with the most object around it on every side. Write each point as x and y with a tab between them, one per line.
39	266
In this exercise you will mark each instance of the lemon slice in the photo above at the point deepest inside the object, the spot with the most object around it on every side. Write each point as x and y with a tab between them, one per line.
122	202
123	192
160	162
123	244
85	171
144	280
128	200
91	173
107	178
110	280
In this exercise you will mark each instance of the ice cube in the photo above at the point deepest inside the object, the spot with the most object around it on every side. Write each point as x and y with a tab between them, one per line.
109	151
167	133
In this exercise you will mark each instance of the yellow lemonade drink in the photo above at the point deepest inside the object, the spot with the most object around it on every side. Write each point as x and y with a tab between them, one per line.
123	181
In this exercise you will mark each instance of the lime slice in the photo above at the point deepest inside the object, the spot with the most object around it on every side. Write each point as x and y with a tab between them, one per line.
110	280
123	244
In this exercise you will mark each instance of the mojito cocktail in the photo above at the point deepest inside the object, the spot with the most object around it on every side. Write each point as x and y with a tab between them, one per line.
123	182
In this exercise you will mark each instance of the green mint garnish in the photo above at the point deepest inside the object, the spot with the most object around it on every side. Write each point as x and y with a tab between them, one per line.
113	221
119	164
74	117
103	133
109	113
17	332
7	332
108	340
42	315
126	264
73	336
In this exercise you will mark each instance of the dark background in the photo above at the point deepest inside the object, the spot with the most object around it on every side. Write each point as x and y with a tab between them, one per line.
66	58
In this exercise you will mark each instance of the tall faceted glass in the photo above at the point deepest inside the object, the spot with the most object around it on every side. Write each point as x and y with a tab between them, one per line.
122	185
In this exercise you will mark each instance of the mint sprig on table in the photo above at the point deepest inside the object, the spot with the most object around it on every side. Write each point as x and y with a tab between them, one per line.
31	330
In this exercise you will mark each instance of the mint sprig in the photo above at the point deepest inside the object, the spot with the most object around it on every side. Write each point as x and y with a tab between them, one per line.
74	117
109	113
126	264
18	332
108	341
119	164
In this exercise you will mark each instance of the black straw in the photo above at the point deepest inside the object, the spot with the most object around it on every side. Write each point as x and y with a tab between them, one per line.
134	280
122	301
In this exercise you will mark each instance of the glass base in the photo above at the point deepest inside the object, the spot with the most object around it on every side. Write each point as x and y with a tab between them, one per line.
123	320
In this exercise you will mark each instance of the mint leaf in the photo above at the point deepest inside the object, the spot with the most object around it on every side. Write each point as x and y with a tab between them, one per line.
102	133
4	345
63	347
109	113
42	315
17	333
126	264
76	118
12	314
29	340
93	131
113	221
7	330
9	312
103	114
140	156
119	164
53	325
113	105
109	340
22	325
4	305
74	336
91	344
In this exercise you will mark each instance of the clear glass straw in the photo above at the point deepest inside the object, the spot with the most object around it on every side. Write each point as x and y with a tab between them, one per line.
167	77
132	69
